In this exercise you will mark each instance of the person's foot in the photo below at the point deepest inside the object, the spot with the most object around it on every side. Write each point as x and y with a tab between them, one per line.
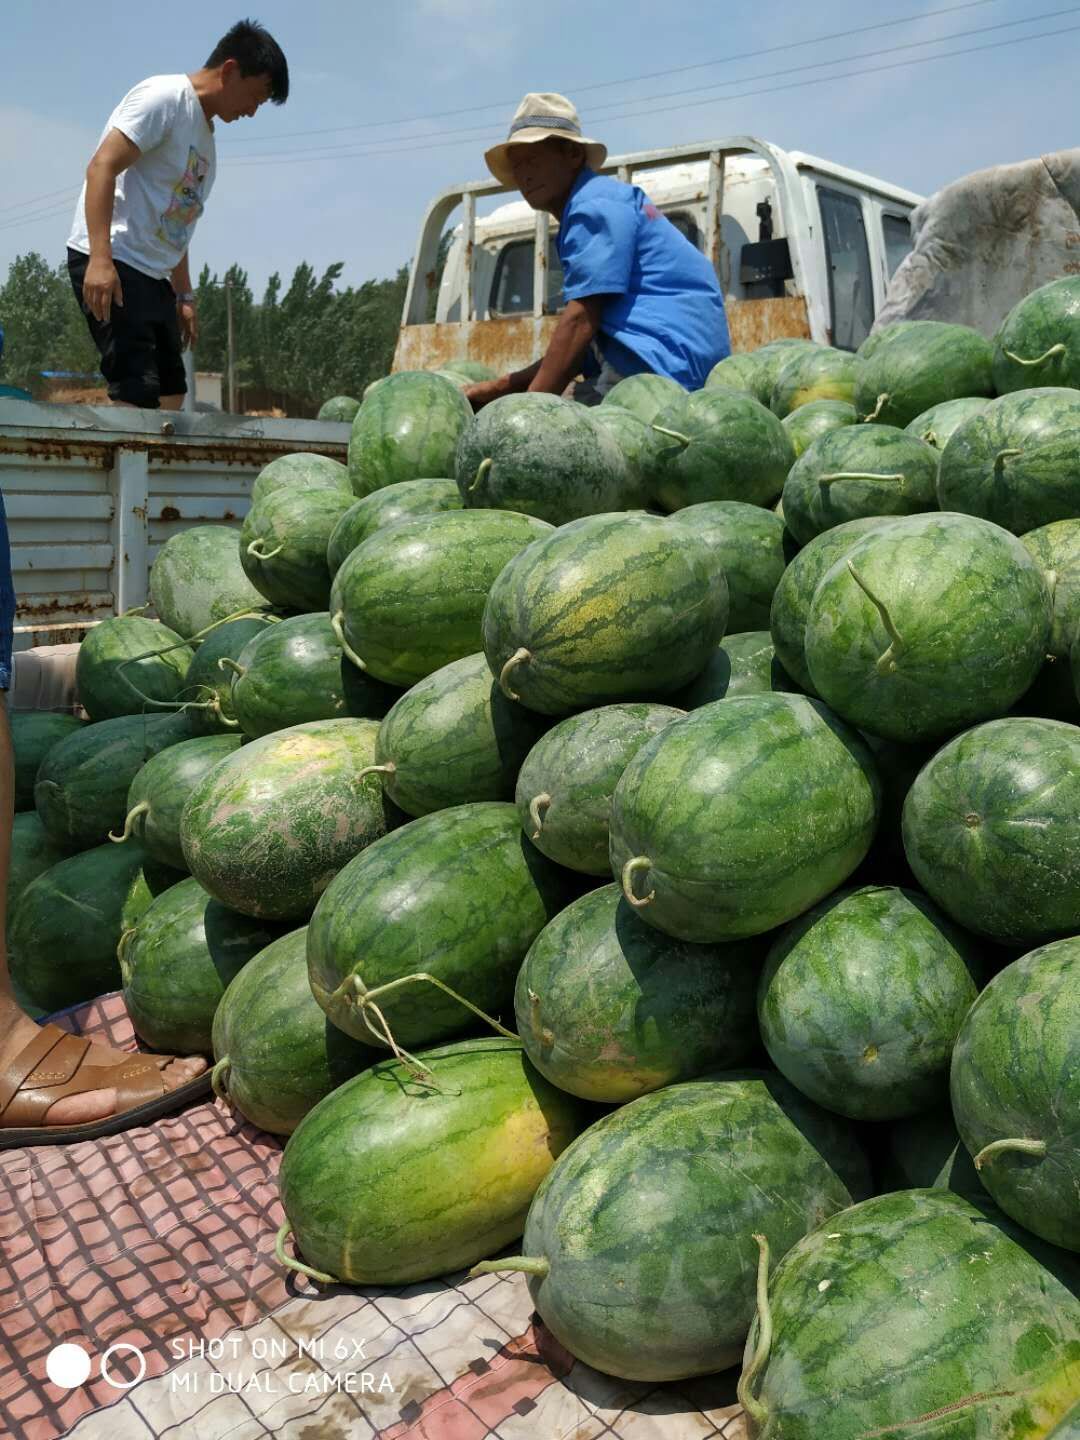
94	1104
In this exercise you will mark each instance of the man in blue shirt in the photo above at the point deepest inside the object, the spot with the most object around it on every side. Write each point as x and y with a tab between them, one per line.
640	297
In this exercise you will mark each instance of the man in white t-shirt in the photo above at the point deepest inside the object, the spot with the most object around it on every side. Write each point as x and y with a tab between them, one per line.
146	186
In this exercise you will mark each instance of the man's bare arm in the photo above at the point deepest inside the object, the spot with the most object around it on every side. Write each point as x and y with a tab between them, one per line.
577	327
101	284
185	309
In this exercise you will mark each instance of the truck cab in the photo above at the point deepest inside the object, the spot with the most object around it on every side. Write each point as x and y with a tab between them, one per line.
803	247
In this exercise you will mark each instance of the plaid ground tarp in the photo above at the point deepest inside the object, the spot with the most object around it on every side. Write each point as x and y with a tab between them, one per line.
160	1242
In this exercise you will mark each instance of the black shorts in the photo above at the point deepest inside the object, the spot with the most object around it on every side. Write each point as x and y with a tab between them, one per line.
140	347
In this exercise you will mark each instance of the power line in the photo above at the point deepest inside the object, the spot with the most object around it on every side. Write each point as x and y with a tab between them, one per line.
49	213
21	204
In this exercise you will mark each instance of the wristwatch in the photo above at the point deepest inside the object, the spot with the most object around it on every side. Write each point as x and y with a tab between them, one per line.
185	297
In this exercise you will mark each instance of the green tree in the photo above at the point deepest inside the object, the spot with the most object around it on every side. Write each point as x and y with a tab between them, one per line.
44	328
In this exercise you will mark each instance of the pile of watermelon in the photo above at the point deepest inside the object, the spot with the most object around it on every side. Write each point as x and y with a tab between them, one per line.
648	836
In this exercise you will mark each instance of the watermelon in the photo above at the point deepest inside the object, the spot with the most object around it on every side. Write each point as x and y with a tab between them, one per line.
565	786
1016	1090
897	766
299	472
861	1000
938	424
816	418
472	370
403	501
277	1054
128	664
82	785
882	336
742	816
339	407
410	599
930	625
1015	462
609	1009
158	793
460	895
283	545
925	1152
454	738
639	1248
603	609
389	1181
638	442
644	395
66	924
913	1314
858	471
1055	548
927	363
405	429
295	672
736	372
750	546
1038	342
541	455
197	579
720	445
32	853
992	829
808	375
178	960
270	826
33	735
742	664
770	360
208	685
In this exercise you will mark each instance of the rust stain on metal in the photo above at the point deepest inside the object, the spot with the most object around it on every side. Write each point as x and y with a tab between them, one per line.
169	512
228	515
101	454
757	322
41	607
98	453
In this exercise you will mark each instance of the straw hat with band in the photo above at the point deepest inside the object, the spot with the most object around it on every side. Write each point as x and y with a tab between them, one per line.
542	117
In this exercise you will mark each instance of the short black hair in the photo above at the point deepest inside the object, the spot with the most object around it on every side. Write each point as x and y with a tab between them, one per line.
257	53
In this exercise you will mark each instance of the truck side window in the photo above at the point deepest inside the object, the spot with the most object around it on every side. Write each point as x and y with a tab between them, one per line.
897	232
512	284
847	258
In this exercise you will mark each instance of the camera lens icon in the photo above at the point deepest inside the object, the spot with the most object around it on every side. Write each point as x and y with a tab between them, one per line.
68	1366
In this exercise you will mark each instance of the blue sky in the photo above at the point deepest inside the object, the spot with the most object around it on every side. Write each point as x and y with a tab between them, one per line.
276	203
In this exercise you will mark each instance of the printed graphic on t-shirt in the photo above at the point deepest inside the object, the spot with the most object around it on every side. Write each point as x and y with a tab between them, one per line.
186	204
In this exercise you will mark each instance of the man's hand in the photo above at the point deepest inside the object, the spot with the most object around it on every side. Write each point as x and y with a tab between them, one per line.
189	323
484	392
101	288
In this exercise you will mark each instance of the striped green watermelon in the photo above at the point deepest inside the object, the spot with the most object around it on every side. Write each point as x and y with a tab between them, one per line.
638	442
472	370
277	1054
603	609
939	423
543	456
302	471
743	664
157	795
406	428
389	1180
1016	1090
566	783
992	829
858	471
735	372
177	962
82	785
402	501
609	1009
129	664
751	546
742	816
1015	462
208	685
808	375
1038	342
294	672
861	1000
33	735
339	407
453	739
639	1246
925	1152
197	579
460	895
720	445
283	545
770	359
914	1314
790	607
1055	548
882	336
270	826
644	395
410	599
925	364
932	624
32	853
817	418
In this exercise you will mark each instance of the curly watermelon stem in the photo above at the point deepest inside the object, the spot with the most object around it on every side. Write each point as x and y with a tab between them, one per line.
1001	1147
135	609
121	951
279	1251
338	627
481	470
629	870
523	1264
886	662
543	799
1001	457
754	1407
674	434
882	400
1058	349
132	815
226	662
219	1079
247	614
388	769
519	657
858	475
257	552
